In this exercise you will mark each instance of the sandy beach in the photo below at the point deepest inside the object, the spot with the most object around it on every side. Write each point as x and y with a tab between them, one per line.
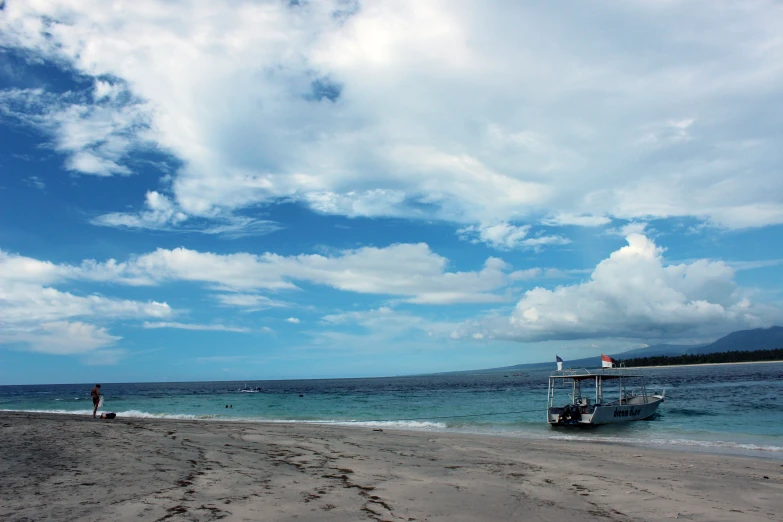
62	467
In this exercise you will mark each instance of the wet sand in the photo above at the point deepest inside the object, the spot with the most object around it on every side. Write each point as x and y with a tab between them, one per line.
63	467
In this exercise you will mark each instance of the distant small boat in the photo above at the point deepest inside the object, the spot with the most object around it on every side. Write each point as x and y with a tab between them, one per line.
627	405
249	390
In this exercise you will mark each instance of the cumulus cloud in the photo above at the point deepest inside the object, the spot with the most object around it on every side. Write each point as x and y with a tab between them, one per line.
39	317
476	112
633	294
500	235
293	320
634	227
410	271
23	303
59	337
16	269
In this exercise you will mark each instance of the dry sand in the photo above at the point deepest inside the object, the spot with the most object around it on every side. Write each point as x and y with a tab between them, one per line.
59	467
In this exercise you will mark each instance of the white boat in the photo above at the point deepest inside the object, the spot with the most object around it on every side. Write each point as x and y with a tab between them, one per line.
250	390
620	396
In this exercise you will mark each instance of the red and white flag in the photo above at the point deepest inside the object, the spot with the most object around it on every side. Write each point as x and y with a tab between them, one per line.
606	361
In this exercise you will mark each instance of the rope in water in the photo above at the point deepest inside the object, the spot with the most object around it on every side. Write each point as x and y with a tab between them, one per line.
451	416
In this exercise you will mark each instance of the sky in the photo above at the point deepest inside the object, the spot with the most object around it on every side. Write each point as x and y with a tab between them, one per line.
246	190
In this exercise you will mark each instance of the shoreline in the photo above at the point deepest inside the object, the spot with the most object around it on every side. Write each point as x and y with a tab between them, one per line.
713	446
64	467
701	364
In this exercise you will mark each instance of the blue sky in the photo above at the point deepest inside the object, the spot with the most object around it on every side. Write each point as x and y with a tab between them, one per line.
270	190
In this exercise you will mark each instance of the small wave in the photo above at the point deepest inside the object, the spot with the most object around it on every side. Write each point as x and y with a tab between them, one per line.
136	414
62	412
415	425
130	413
717	444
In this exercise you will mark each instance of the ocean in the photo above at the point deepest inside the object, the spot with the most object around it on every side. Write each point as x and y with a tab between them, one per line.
733	408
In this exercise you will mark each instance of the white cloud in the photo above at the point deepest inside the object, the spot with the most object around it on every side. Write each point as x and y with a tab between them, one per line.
548	273
753	265
505	236
35	181
59	337
95	137
163	214
293	320
633	294
20	269
103	89
635	227
500	235
536	243
386	323
374	319
523	275
474	112
22	303
197	327
410	271
566	218
41	318
249	301
15	268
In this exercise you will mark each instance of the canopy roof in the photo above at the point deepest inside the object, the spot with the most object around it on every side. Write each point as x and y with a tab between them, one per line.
581	374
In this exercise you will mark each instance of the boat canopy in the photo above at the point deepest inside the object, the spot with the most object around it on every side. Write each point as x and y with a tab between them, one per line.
584	374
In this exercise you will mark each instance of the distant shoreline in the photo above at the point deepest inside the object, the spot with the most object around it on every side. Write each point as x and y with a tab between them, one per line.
704	364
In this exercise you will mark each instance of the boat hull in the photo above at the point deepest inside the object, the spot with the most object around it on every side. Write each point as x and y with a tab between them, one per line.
624	413
613	413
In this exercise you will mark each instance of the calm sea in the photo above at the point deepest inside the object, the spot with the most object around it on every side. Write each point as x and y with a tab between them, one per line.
731	408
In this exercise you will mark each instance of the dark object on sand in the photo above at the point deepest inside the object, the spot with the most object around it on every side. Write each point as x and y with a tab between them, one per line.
108	415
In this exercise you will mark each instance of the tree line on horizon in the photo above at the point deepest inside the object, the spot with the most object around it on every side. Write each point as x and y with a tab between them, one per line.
705	358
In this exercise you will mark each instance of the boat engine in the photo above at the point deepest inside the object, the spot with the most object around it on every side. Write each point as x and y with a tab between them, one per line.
571	414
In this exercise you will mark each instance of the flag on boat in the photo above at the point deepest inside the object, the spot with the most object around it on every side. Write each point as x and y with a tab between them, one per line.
559	362
606	361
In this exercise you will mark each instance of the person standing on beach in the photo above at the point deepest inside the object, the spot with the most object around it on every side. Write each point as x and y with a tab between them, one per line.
96	398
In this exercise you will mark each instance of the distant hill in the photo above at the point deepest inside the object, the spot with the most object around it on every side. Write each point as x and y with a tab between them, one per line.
743	340
659	349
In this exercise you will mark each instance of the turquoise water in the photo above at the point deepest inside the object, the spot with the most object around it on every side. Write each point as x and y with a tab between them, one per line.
731	408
